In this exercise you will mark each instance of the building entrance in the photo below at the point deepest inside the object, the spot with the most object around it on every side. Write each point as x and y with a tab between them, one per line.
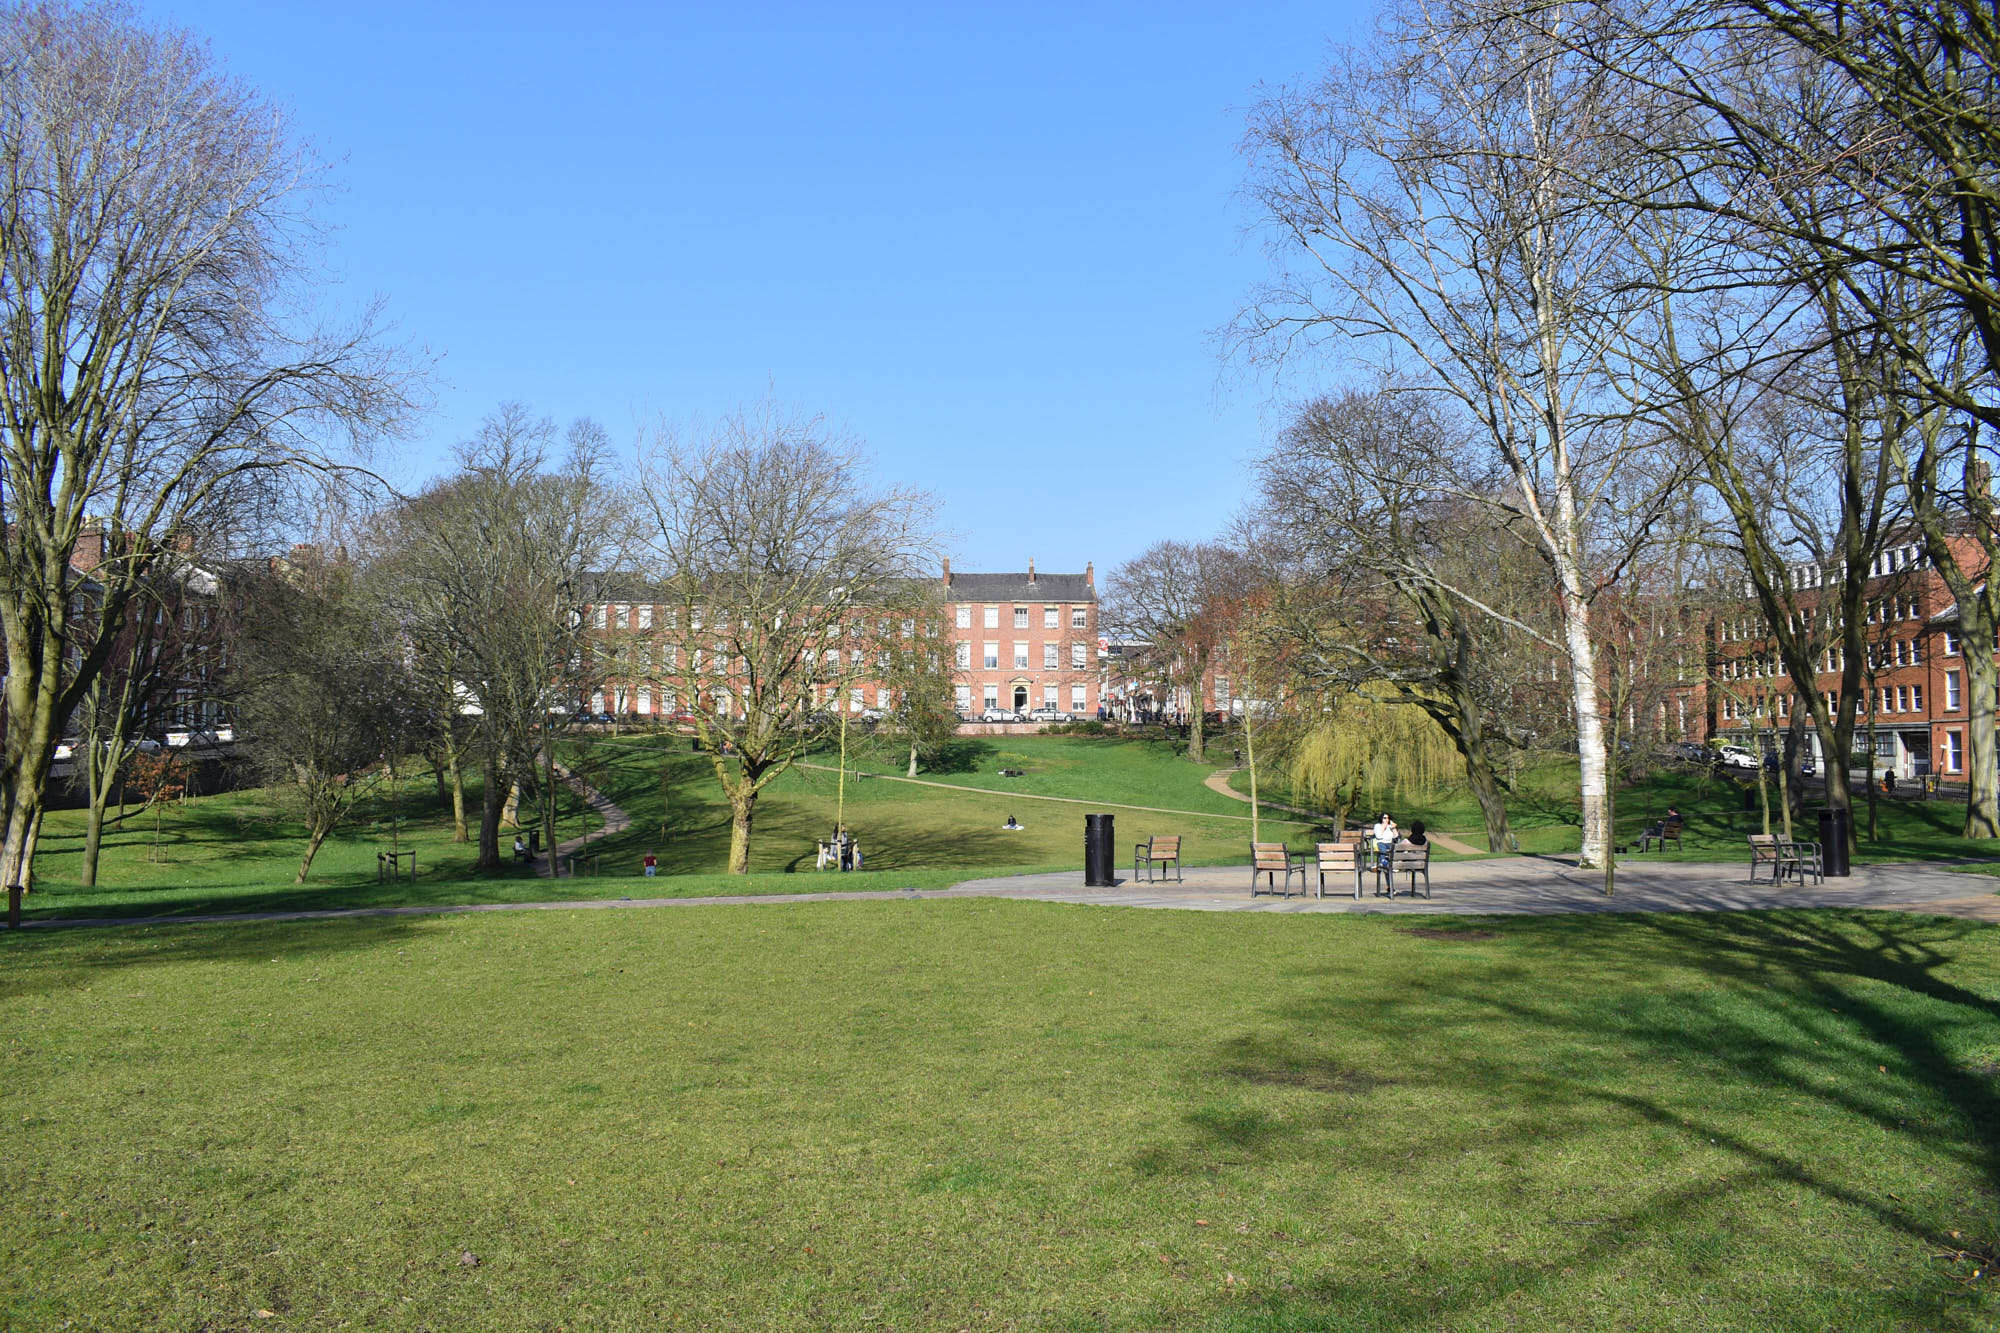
1020	698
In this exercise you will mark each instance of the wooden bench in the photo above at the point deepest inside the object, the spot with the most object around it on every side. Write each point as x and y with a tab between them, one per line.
1662	832
1272	859
1785	858
1407	860
1157	852
1343	860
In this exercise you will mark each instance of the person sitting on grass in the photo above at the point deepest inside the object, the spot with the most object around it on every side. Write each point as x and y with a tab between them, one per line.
1011	826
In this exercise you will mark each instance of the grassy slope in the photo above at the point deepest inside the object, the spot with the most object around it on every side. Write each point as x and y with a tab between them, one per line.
948	1115
237	852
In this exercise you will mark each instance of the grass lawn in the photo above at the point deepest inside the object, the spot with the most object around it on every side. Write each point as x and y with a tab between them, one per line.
946	1115
238	852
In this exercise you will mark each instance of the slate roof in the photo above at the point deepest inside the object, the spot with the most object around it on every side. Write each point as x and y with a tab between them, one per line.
1017	588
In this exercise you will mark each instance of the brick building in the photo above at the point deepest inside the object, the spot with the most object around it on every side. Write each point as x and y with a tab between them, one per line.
1913	677
1015	641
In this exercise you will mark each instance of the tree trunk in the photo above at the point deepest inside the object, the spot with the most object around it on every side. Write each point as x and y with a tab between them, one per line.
1485	785
459	834
913	759
1590	741
30	748
312	850
93	843
742	814
1982	754
1197	742
549	804
491	796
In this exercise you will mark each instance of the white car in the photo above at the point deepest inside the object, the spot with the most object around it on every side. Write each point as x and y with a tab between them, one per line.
1735	756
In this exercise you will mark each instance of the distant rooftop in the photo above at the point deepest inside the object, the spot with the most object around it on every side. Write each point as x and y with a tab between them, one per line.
1025	586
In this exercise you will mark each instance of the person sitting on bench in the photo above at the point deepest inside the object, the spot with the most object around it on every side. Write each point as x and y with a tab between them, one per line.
520	849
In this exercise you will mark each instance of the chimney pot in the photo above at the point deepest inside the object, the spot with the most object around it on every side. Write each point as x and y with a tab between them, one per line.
1031	569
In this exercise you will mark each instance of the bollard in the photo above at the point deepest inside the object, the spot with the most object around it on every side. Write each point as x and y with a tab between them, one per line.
1097	851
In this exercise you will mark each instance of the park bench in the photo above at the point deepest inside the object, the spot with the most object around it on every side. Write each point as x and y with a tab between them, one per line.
1270	860
1343	859
1785	858
1156	852
1403	859
1663	832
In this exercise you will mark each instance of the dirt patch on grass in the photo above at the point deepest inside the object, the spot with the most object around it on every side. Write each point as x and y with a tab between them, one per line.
1463	933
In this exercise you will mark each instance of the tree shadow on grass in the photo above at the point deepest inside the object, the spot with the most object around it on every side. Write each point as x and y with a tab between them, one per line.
960	756
37	961
1838	1017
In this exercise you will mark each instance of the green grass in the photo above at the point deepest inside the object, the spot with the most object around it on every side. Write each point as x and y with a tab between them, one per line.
238	852
944	1115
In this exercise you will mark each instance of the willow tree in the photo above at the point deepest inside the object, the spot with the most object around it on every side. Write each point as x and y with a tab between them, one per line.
1357	746
157	378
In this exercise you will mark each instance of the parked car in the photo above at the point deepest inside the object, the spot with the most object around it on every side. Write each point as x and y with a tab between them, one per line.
1735	756
999	715
1694	752
1047	713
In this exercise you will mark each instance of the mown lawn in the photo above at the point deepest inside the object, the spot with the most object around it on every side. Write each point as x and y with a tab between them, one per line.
946	1115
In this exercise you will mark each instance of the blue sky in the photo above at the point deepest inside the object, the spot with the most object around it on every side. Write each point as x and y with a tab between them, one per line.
993	244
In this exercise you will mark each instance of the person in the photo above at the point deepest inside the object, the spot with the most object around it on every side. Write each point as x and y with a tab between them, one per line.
520	848
1011	826
1385	834
652	865
1888	782
1417	838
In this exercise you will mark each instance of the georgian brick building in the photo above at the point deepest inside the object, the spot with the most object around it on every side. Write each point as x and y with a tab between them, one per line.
1913	676
1014	641
1024	640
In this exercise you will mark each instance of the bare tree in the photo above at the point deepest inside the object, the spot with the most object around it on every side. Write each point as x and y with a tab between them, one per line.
1425	202
325	697
490	569
778	565
152	370
1179	600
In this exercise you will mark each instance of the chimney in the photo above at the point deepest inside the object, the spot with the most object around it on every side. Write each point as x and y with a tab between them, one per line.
947	571
1090	573
1031	569
1978	477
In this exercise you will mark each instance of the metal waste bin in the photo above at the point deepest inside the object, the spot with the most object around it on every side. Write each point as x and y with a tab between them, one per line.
1098	857
1833	841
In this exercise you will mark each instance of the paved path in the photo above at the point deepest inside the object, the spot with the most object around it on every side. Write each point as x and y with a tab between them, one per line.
615	820
1218	781
1502	886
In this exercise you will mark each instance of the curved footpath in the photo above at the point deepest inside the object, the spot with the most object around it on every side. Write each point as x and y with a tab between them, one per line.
1503	886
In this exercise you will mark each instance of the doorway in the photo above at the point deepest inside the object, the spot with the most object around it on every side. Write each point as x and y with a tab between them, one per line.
1020	698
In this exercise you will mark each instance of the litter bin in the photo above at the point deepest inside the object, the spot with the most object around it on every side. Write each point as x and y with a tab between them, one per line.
1833	841
1097	854
534	842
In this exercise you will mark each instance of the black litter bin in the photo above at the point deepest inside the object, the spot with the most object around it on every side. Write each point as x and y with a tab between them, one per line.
1833	841
534	842
1098	857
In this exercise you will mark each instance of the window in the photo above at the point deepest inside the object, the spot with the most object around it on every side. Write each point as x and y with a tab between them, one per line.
645	617
854	704
1050	616
597	619
1951	687
1076	697
962	698
992	656
1916	698
1049	654
1020	617
964	617
993	617
1902	699
645	699
1951	643
1076	654
1222	693
1020	653
909	627
963	655
1954	752
1051	696
620	615
992	697
1079	618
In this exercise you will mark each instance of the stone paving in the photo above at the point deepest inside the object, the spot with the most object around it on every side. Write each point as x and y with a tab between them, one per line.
1504	885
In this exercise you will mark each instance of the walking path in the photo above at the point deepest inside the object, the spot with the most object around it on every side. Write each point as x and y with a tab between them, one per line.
1218	781
1535	885
615	820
